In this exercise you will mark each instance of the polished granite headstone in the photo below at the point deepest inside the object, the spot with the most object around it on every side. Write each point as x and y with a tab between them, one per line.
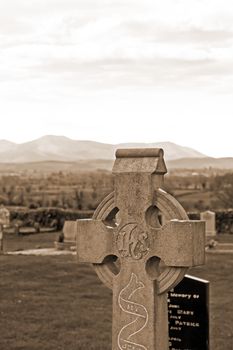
188	314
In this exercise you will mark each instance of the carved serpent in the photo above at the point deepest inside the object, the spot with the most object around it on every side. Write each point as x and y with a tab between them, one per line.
127	332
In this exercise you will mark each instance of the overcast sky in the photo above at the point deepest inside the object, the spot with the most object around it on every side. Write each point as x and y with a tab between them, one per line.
118	71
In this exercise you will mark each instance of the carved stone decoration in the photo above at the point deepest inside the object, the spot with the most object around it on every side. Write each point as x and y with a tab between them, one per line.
132	242
140	243
127	301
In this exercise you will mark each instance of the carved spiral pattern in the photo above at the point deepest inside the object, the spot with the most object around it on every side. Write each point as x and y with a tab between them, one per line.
127	334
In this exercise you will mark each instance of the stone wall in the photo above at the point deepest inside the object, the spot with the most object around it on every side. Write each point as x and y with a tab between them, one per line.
49	217
224	220
46	217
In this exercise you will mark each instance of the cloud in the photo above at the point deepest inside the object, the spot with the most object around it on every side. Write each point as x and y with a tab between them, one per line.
159	72
116	43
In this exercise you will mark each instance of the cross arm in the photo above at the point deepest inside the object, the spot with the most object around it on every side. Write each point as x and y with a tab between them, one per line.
180	243
94	241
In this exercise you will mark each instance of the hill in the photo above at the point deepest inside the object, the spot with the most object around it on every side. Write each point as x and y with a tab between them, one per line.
61	148
60	153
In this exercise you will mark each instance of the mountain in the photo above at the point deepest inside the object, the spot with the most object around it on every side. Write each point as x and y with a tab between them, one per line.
61	148
60	152
171	150
7	146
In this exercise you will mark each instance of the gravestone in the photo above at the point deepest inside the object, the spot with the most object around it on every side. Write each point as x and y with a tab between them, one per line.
4	216
140	245
4	222
188	315
69	231
68	237
209	218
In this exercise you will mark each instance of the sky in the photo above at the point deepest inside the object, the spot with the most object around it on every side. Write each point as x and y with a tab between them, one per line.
118	71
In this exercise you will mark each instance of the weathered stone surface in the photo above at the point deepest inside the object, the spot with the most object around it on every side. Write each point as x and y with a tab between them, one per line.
69	231
209	218
4	222
93	247
139	242
4	216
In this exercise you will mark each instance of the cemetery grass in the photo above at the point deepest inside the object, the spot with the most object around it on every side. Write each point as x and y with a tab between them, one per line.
14	242
49	302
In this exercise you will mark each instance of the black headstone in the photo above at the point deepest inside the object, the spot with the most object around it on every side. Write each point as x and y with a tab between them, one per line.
188	315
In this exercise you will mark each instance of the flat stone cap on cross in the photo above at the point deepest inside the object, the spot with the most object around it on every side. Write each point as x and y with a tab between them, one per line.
141	160
139	241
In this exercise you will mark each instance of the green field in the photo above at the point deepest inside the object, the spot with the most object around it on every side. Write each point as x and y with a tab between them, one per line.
49	303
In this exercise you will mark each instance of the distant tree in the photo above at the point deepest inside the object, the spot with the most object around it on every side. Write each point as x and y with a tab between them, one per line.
200	205
11	194
33	206
63	200
224	190
19	198
28	188
225	197
78	197
94	194
55	202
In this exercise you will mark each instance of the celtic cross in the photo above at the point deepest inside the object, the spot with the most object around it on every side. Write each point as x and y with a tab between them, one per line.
134	254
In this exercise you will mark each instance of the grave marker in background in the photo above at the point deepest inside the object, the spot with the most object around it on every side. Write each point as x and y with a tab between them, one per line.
4	222
188	314
4	216
67	239
69	231
209	217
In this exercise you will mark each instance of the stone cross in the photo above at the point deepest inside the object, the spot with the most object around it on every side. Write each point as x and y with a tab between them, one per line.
134	255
